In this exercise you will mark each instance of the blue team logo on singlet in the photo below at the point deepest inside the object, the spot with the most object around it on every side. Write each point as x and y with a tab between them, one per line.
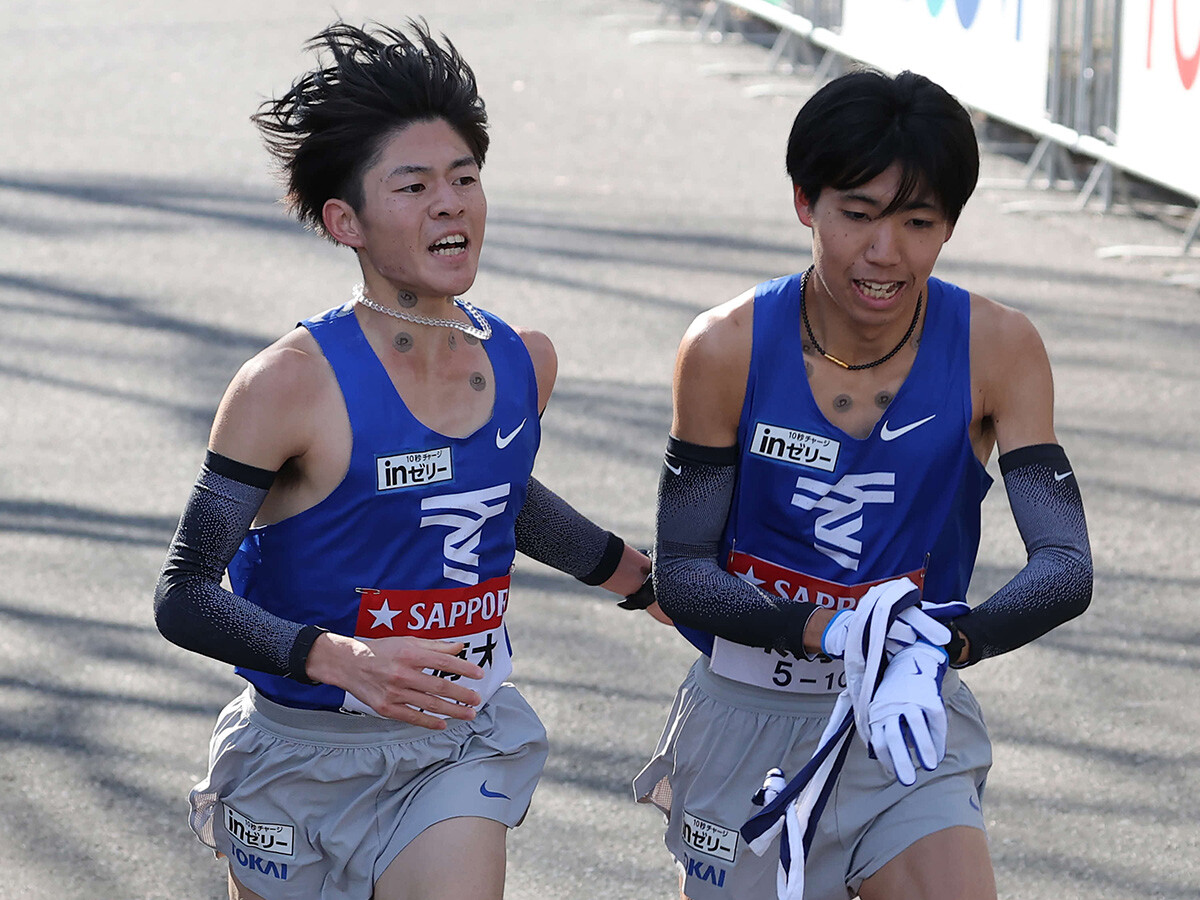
841	506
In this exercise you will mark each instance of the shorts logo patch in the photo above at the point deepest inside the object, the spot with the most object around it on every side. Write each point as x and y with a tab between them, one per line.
483	789
252	862
264	837
703	871
709	838
797	448
406	470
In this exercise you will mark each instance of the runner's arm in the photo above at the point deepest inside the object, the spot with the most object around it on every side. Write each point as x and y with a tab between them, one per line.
1016	392
551	531
193	610
1056	583
258	427
695	495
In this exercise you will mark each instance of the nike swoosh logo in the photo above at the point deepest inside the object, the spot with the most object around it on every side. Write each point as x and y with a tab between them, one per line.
974	803
889	435
483	789
678	470
1059	476
918	667
503	440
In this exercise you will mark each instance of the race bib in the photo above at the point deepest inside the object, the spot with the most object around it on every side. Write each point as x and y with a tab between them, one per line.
473	615
779	670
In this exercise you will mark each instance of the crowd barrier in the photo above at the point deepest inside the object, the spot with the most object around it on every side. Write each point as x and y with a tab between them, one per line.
1113	82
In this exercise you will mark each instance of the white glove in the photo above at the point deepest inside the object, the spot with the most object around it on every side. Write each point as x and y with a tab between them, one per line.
860	638
907	714
835	637
920	623
915	623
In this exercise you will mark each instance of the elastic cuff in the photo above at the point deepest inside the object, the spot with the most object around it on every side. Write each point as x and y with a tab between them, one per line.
613	551
298	658
698	454
642	597
793	639
1032	454
238	471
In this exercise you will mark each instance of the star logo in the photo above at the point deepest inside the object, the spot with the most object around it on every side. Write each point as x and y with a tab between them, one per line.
748	576
383	616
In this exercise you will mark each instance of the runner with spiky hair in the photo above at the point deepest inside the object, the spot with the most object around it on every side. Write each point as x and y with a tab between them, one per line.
366	487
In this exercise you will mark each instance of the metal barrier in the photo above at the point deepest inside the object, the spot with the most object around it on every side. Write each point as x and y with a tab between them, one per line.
1073	109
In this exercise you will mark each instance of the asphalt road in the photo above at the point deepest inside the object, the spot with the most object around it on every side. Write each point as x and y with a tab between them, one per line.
145	256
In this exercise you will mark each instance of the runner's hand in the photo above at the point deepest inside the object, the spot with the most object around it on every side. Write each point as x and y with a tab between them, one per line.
388	674
907	714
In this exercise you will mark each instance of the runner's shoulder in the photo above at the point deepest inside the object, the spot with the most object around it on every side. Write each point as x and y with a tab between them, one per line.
288	379
721	336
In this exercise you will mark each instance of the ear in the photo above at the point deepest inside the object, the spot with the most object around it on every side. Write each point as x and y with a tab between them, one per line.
949	232
804	209
342	222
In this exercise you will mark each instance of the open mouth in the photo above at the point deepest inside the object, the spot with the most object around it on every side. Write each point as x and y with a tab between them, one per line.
453	245
879	290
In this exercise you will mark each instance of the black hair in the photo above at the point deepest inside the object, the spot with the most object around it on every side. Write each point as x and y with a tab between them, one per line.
331	126
858	125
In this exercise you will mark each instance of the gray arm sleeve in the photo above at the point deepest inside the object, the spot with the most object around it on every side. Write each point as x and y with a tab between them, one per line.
193	610
695	494
551	531
1056	583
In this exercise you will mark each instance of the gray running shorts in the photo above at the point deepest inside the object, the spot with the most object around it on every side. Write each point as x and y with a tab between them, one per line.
314	804
722	736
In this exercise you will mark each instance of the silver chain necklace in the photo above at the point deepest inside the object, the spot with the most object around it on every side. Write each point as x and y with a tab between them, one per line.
482	329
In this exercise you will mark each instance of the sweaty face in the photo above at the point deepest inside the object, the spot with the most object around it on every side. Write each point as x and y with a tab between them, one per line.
422	219
872	265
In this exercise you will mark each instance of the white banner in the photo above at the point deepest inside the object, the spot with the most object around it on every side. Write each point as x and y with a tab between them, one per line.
990	54
1158	120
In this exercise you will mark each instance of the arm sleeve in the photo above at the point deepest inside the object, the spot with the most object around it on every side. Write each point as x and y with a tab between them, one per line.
695	494
193	610
551	531
1056	583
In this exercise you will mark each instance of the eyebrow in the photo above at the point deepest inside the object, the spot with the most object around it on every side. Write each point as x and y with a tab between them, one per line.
461	162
